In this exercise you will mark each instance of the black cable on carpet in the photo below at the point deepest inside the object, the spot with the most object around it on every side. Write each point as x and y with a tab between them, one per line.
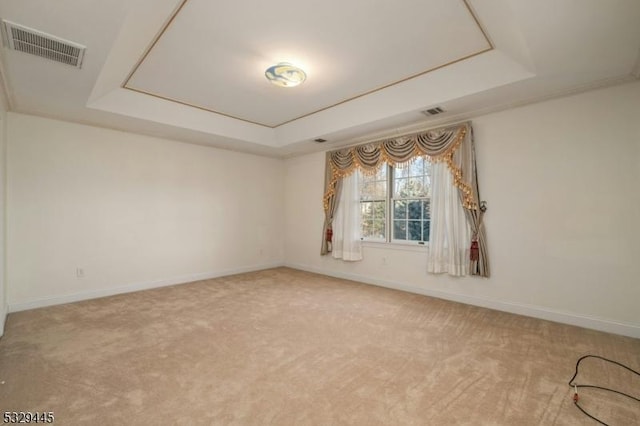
575	386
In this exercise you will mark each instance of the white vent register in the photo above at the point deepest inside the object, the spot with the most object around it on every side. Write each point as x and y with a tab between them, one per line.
34	42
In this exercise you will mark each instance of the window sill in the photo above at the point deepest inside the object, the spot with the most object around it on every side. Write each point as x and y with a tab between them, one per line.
395	246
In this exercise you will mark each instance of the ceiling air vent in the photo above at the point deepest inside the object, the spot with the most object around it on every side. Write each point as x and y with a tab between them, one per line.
433	111
319	140
37	43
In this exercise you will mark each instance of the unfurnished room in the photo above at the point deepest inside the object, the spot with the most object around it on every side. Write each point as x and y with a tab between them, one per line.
366	212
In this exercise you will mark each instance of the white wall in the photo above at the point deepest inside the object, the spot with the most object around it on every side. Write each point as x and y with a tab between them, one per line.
560	178
132	211
3	298
135	212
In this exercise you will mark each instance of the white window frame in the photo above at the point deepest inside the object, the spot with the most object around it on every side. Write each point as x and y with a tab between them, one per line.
388	241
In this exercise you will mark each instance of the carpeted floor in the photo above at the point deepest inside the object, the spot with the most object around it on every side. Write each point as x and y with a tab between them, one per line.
285	347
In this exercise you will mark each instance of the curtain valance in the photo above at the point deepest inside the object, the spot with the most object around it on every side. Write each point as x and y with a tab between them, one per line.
435	144
450	144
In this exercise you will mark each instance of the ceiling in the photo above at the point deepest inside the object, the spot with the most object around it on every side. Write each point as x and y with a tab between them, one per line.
193	70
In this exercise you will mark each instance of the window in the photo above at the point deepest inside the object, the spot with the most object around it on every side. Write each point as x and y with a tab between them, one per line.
373	204
395	203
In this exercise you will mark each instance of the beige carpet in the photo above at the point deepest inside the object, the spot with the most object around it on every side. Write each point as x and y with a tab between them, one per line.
284	347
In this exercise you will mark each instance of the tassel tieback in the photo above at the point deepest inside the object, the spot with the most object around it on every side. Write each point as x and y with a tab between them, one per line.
329	239
474	252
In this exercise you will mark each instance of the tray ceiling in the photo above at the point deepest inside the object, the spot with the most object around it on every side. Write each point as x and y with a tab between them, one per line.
193	70
202	59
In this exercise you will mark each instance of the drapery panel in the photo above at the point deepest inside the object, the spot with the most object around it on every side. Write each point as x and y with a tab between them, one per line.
346	244
449	239
465	156
332	189
452	145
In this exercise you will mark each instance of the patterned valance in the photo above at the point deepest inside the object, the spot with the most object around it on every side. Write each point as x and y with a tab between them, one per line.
437	145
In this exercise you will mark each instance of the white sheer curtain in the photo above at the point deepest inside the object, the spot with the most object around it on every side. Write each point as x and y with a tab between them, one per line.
449	236
346	222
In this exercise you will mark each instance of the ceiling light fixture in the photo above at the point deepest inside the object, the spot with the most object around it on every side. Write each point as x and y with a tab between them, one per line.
285	75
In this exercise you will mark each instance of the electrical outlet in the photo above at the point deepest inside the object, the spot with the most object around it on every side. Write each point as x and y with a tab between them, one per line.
79	273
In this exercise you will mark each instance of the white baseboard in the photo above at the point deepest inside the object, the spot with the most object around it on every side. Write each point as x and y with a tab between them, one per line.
601	324
129	288
610	326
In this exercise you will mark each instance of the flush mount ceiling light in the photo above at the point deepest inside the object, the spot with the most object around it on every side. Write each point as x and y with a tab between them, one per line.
285	75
